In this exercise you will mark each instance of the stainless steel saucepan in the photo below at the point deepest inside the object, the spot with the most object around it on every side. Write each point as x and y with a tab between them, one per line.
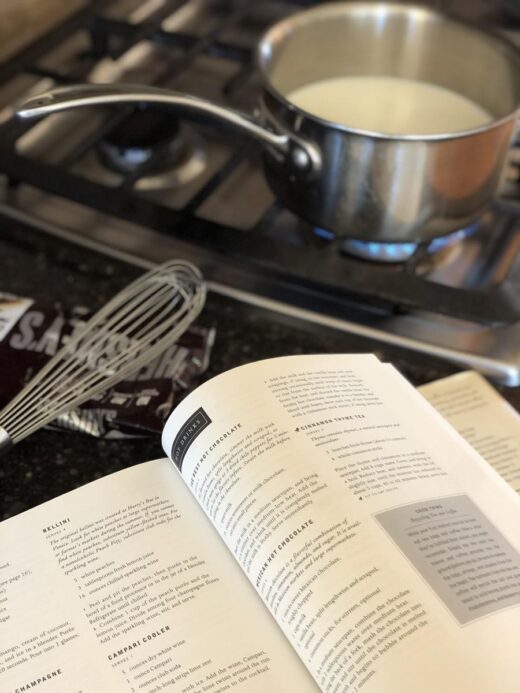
354	182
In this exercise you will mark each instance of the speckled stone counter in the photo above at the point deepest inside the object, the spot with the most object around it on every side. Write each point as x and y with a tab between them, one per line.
49	463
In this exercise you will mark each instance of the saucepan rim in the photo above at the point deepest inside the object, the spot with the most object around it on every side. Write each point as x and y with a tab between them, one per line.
286	25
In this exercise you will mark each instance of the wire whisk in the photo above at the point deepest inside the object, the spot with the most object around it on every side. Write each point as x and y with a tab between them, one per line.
132	329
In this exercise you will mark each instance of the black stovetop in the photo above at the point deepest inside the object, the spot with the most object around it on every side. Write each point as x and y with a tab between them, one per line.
204	189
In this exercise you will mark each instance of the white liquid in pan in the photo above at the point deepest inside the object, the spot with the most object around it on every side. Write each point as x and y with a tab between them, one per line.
390	105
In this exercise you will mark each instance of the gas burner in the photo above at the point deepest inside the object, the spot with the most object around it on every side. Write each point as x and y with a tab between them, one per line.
371	250
400	252
378	252
451	239
170	153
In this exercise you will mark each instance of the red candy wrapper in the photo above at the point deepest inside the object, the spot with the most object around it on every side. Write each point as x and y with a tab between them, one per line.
31	333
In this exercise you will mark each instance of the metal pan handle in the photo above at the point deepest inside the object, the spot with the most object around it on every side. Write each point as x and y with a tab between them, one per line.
304	156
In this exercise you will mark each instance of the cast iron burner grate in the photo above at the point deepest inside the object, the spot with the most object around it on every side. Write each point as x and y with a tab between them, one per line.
220	205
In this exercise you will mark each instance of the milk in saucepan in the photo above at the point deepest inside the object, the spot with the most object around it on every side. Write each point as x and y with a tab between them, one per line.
390	105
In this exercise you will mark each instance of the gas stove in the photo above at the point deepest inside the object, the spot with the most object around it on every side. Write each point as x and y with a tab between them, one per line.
144	187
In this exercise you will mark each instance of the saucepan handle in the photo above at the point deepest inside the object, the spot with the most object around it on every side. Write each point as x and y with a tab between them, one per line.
302	155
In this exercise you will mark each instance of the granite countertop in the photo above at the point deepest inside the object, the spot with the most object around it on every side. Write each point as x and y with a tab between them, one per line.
50	463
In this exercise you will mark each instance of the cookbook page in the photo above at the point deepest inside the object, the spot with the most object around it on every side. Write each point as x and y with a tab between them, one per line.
383	545
482	417
124	585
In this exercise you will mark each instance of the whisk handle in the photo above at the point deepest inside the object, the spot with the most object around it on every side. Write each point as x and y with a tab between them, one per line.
5	441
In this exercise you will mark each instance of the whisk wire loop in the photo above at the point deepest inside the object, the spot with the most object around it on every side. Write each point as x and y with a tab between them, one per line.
131	330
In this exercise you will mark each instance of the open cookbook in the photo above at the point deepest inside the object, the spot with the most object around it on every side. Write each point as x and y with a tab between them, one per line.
322	527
